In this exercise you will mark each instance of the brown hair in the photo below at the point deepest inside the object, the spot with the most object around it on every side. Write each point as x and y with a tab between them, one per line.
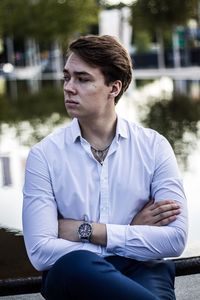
108	54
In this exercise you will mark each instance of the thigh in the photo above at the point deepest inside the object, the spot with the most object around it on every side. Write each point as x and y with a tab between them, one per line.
85	275
157	276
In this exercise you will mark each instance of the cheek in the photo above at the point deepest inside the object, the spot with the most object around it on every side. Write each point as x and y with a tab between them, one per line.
99	90
92	88
92	91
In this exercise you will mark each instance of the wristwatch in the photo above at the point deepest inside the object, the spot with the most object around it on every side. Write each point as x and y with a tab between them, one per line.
85	231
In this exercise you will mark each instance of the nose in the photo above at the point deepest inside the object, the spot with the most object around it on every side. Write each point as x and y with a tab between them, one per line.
69	86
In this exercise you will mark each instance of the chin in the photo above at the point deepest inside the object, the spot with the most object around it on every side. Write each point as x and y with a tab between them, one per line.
72	114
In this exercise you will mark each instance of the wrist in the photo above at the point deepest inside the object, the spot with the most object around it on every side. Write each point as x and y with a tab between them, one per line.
99	234
84	231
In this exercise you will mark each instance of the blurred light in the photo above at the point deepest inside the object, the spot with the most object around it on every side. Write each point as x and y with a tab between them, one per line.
8	68
2	86
192	24
1	45
127	2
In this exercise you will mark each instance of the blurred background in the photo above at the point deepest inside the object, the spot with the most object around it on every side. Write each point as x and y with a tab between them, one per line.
163	39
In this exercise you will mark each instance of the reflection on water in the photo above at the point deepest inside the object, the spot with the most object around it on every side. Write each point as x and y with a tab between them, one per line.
34	112
178	120
29	111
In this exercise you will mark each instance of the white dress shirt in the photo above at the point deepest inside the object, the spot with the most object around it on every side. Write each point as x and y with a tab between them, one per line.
63	178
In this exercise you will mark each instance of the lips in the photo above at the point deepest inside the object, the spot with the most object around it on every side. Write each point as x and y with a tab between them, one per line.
72	102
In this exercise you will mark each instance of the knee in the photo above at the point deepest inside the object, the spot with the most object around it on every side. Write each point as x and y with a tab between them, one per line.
73	264
71	268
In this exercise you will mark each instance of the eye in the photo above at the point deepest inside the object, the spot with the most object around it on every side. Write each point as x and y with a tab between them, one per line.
66	77
83	79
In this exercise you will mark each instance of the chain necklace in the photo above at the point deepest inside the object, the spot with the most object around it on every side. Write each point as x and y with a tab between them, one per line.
100	155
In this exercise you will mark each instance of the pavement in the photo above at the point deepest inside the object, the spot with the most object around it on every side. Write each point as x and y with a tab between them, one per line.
187	288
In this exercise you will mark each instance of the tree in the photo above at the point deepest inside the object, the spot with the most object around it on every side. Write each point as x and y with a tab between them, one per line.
46	20
48	23
42	111
177	119
161	15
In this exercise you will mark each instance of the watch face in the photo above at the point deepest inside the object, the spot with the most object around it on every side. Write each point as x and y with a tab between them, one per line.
85	230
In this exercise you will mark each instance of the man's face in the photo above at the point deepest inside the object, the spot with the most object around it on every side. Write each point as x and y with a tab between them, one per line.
85	93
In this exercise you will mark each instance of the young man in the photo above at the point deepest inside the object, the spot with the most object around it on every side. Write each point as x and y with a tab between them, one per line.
103	198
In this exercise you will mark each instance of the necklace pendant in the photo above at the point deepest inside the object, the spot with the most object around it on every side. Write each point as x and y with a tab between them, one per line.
100	155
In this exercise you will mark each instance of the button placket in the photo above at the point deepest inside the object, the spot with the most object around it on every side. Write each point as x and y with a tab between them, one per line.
104	193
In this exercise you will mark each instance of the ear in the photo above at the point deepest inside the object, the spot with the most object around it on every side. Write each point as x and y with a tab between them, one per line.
116	87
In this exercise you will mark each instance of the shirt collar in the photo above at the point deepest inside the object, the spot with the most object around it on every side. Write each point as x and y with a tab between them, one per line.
75	132
121	130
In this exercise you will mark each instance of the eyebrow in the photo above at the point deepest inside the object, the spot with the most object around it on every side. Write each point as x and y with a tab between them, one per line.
78	73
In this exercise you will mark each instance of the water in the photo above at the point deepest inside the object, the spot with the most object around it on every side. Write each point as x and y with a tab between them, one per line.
30	110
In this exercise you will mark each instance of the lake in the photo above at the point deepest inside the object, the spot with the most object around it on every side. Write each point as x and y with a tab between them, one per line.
29	110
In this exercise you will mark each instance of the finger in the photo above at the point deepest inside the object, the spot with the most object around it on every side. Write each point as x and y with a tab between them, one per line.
164	202
165	208
165	215
166	221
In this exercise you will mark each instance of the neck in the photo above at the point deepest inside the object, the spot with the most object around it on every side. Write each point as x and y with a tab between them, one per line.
99	133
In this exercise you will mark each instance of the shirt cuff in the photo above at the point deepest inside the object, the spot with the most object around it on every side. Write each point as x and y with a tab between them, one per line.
91	247
116	238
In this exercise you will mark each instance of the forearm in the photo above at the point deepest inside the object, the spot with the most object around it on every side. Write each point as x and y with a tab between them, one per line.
159	230
137	241
144	242
152	214
99	235
68	230
44	247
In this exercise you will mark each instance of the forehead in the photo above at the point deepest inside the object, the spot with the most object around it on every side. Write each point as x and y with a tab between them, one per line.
76	64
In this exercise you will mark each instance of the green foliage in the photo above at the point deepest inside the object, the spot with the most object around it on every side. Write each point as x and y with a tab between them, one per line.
28	107
46	20
173	118
148	14
33	115
142	41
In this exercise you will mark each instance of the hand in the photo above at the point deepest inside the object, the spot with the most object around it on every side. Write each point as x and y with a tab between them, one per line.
68	229
158	214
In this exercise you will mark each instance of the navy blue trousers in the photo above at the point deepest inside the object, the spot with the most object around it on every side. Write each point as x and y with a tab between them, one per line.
86	276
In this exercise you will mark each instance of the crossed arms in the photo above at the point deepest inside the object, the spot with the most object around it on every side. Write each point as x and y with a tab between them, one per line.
154	214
